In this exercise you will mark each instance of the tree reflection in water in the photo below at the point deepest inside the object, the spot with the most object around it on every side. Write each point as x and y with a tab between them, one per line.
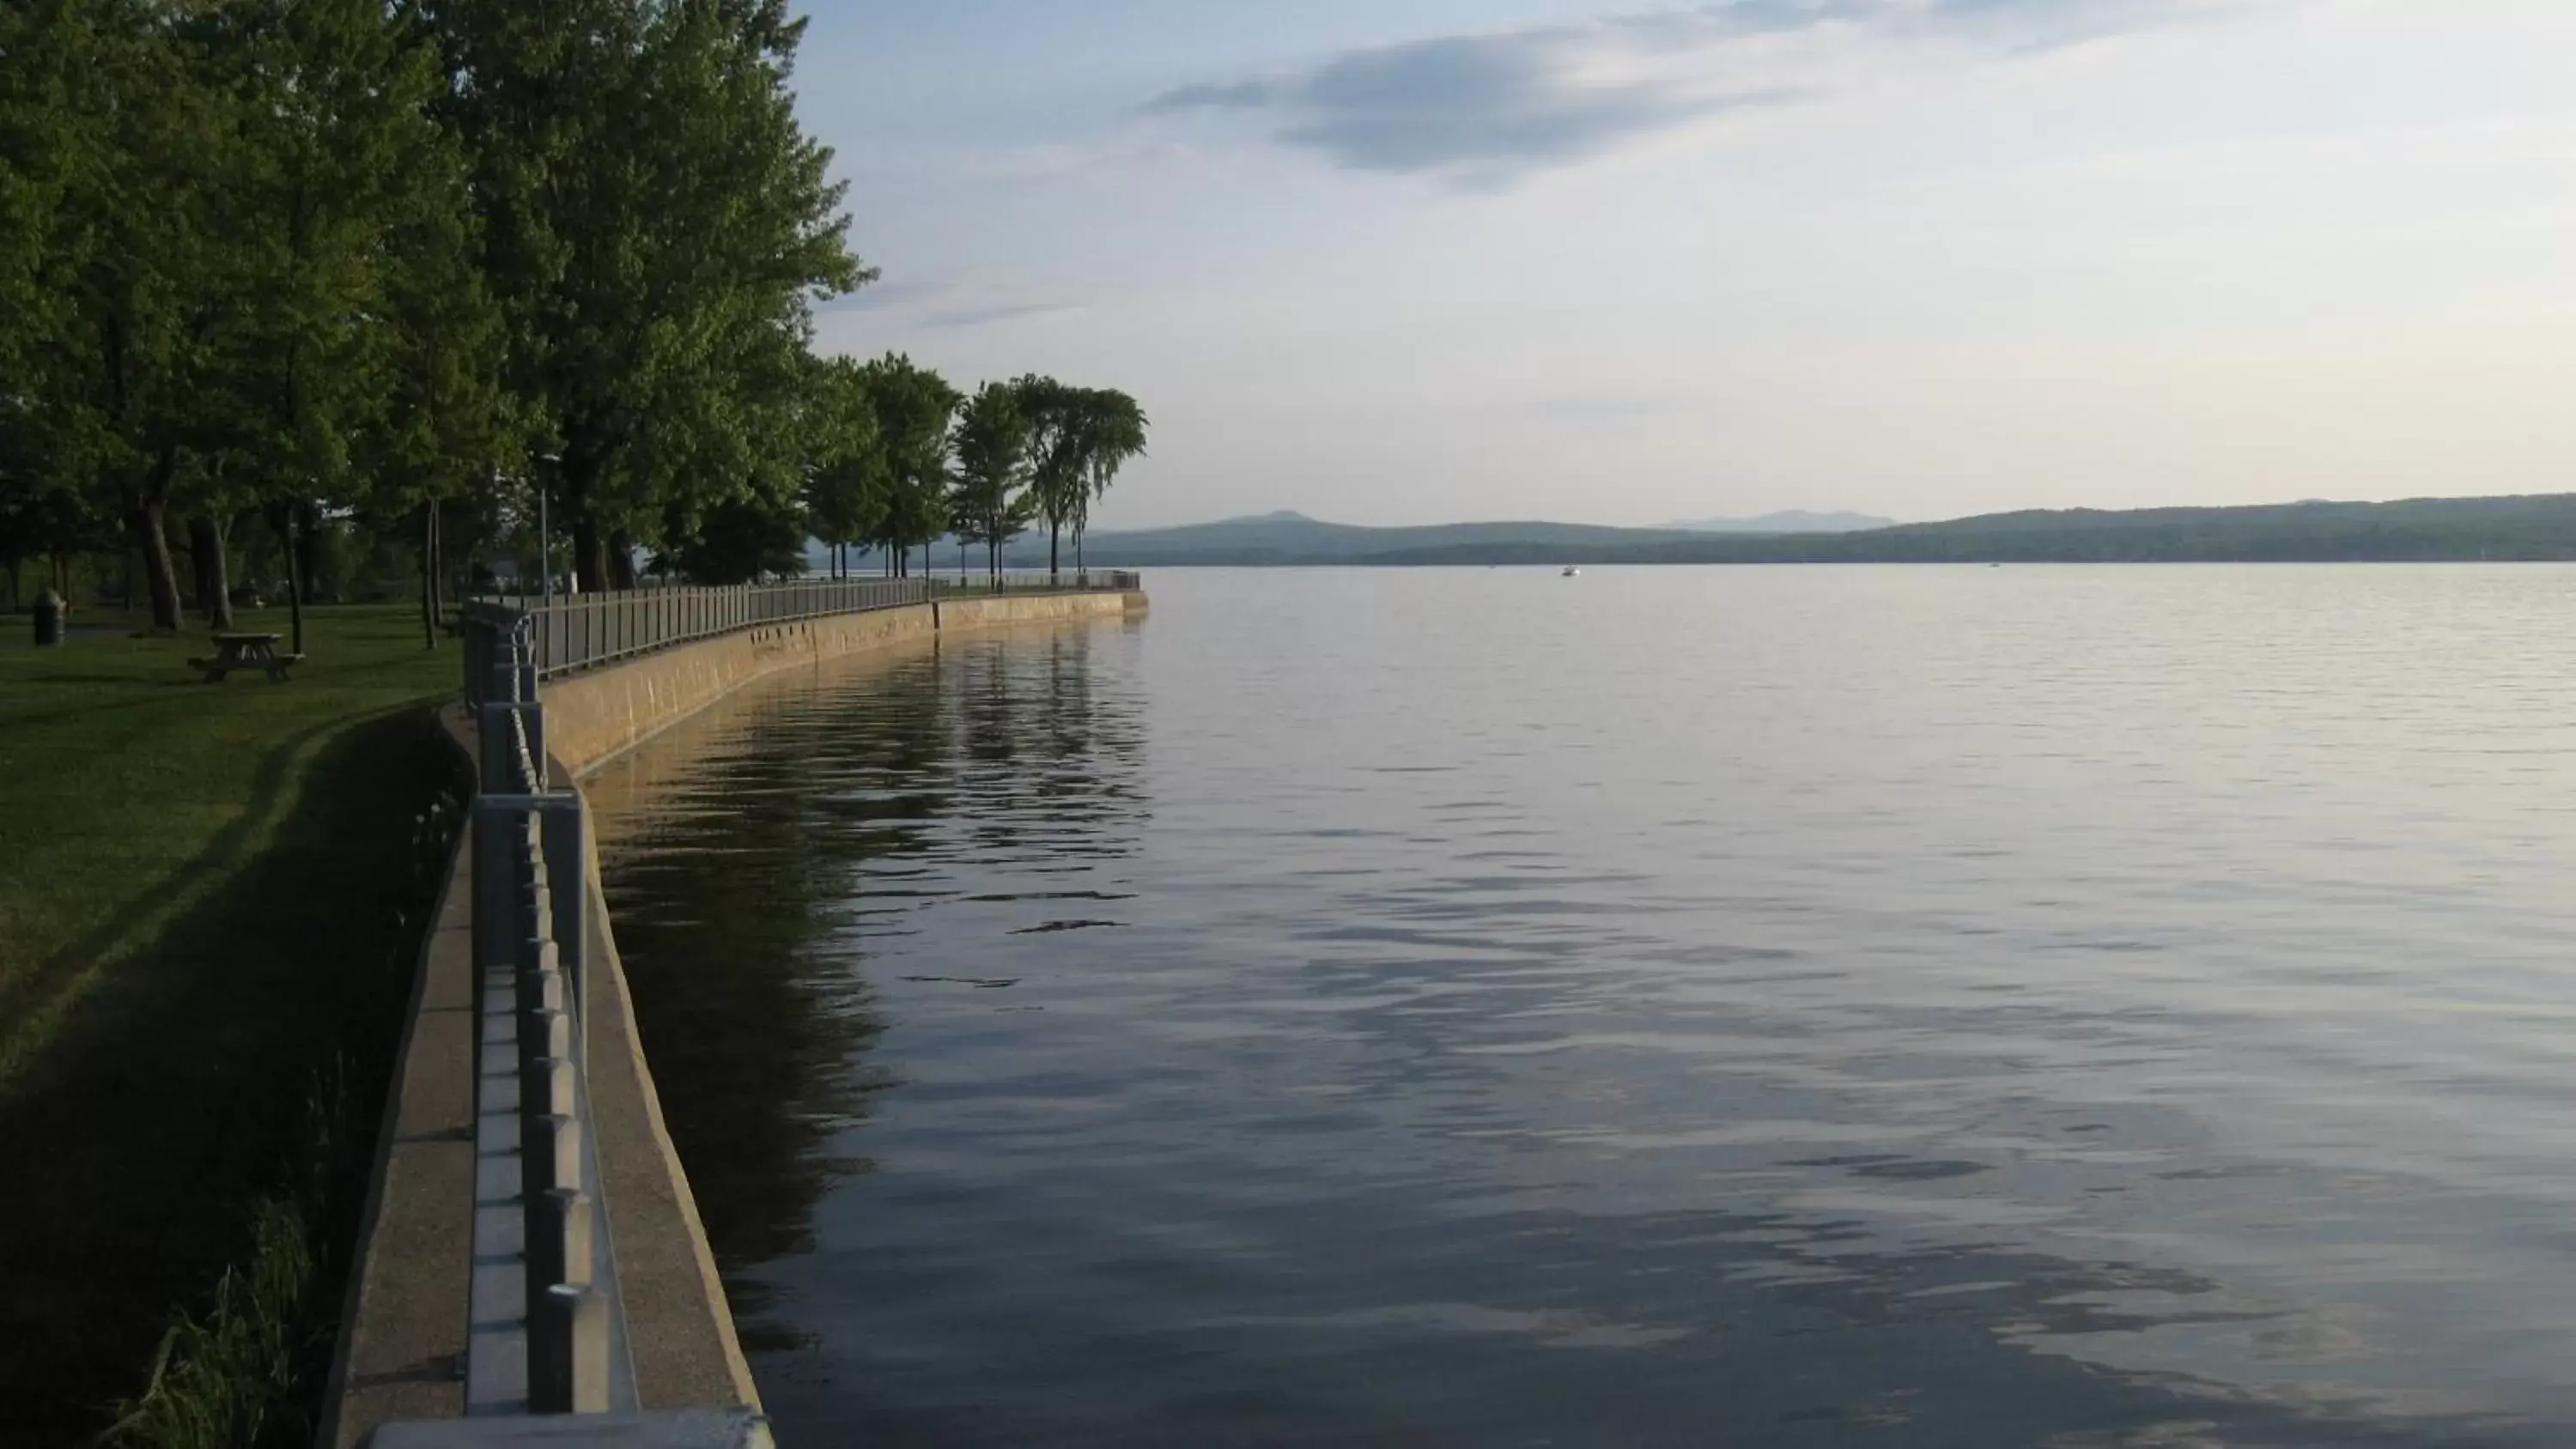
758	856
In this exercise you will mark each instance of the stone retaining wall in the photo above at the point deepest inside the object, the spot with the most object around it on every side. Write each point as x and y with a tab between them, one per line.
590	717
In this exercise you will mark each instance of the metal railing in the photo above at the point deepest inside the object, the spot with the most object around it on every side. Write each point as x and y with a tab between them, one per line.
547	1327
584	631
547	1334
1061	581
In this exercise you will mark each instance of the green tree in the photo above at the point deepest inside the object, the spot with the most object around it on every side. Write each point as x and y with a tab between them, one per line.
138	143
338	173
989	449
1053	414
657	226
447	425
740	541
218	494
846	488
40	154
914	409
1108	430
43	514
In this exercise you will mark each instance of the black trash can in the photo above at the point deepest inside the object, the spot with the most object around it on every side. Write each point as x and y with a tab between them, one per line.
49	611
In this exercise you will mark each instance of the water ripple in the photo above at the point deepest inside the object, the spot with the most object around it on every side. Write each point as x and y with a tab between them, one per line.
2055	1007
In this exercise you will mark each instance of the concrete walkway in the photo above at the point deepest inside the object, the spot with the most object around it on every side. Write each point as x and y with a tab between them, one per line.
402	1345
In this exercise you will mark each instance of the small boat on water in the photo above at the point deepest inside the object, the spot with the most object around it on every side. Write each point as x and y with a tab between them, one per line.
1571	571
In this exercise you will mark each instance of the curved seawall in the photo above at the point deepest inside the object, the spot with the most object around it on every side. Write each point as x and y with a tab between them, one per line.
592	717
406	1325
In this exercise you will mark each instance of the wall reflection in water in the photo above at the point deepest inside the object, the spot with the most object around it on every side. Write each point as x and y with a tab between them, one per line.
760	855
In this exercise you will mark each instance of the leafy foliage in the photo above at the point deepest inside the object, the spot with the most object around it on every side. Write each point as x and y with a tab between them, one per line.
1109	429
739	542
847	488
914	409
990	453
385	265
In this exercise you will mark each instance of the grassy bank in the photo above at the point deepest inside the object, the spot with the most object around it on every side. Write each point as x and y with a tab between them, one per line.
205	944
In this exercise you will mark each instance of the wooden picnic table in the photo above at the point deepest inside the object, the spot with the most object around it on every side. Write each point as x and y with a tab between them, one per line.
246	651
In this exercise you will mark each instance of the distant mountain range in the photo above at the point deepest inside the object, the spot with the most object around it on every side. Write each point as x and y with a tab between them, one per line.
1293	538
1795	520
2538	526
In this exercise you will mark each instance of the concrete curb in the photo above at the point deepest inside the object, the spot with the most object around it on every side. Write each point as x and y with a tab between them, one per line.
401	1350
679	1325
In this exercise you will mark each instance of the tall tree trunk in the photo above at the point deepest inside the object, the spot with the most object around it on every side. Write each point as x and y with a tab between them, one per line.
214	571
224	571
308	550
437	565
621	560
160	576
1053	528
589	551
282	517
192	592
197	571
428	576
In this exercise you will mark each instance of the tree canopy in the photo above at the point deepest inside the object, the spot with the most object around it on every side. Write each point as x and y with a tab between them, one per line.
914	409
398	265
988	501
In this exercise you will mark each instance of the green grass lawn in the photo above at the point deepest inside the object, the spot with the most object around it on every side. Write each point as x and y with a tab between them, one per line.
208	899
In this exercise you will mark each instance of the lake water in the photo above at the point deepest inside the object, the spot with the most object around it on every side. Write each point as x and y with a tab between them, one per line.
1900	1006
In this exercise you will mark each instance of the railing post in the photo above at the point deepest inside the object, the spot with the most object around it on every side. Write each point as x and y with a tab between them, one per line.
497	731
568	1358
496	881
564	819
478	666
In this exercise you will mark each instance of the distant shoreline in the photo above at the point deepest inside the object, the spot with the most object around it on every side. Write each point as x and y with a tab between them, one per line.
1555	563
2537	528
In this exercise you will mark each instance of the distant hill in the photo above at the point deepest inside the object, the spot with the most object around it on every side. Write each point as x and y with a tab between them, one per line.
1795	520
1293	538
2537	526
2425	530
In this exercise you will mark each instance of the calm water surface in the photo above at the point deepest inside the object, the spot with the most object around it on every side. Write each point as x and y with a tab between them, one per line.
2024	1006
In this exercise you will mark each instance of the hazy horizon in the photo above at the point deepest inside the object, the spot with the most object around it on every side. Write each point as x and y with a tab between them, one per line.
1700	524
1299	514
1419	261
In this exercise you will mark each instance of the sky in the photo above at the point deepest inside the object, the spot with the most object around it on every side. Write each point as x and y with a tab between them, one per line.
1414	261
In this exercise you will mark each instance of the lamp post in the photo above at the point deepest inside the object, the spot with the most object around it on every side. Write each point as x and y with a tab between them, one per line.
545	537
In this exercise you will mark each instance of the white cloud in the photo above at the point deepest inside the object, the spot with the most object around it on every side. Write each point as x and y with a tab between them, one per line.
1488	108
